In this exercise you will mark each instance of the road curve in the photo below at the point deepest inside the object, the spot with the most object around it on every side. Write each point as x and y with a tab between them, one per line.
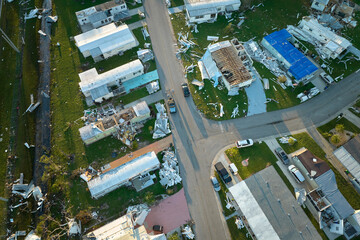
198	140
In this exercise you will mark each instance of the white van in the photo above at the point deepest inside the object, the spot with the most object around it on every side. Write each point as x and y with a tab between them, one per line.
233	168
296	173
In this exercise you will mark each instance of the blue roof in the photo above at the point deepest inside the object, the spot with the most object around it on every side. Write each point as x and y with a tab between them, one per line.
140	80
300	65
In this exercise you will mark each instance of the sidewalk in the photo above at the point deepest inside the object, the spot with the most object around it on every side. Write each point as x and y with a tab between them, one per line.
156	147
137	24
135	11
155	97
176	9
352	118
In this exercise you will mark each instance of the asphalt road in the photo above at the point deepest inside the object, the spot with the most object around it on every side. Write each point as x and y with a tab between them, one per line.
198	140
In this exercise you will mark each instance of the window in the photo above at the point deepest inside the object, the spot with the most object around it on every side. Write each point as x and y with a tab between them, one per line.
102	21
213	15
198	17
219	8
106	20
123	6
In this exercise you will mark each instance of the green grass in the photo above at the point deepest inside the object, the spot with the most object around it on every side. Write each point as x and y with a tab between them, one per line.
100	151
134	18
222	196
176	3
356	106
285	97
237	234
132	4
304	140
348	126
132	96
259	155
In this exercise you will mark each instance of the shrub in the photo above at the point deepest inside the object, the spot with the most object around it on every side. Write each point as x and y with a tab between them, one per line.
335	139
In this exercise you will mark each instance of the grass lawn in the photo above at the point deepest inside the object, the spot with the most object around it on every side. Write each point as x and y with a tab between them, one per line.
348	126
315	223
304	140
132	4
357	106
237	234
222	196
134	18
176	3
132	96
259	155
285	97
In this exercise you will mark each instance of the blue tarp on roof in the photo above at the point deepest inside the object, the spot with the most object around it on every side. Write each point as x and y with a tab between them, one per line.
140	80
300	65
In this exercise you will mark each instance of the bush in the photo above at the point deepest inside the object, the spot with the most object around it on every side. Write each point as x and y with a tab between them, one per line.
174	236
326	135
135	145
229	29
339	128
291	141
335	139
149	198
84	216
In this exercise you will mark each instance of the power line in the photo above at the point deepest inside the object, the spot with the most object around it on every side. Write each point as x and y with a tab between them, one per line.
8	40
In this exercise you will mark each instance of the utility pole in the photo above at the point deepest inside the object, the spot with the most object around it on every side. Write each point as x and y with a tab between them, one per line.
8	40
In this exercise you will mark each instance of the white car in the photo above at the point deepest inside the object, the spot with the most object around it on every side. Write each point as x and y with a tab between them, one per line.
244	143
296	173
326	77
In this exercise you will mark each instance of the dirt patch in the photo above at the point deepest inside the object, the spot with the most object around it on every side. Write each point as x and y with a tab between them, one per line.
344	137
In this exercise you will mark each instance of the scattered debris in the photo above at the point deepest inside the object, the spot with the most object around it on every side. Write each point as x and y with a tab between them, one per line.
308	94
221	110
169	172
300	195
32	14
161	128
74	227
145	33
145	55
198	83
153	87
212	38
41	33
32	236
52	19
235	112
184	42
284	140
188	232
139	213
239	223
190	68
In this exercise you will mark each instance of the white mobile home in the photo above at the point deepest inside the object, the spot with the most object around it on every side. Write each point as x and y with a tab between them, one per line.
102	14
97	86
106	41
123	174
199	11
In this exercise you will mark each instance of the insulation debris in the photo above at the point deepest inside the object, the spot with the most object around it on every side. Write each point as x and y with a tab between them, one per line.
221	110
32	14
190	68
161	128
187	232
41	33
74	227
213	38
52	19
169	172
235	112
145	33
239	223
198	83
139	213
286	139
184	42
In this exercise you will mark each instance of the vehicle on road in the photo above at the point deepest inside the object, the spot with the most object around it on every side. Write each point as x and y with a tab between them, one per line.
327	78
244	143
215	184
158	228
296	173
185	89
172	106
282	155
223	173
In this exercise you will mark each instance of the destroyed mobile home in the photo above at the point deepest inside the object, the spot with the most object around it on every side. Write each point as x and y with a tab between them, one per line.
123	124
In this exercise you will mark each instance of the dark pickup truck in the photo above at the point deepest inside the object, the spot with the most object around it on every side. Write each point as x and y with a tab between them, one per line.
223	173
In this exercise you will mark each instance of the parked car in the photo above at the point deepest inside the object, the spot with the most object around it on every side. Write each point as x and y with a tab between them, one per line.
296	173
233	168
282	155
158	228
223	173
185	89
215	184
327	78
172	106
244	143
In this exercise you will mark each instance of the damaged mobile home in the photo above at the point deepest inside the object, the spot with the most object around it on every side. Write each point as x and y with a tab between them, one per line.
229	63
99	87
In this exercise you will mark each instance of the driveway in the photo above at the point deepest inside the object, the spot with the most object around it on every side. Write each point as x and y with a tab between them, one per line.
256	97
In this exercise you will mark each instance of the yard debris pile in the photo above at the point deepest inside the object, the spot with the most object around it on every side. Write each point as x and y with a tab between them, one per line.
300	195
285	139
308	94
32	14
169	172
74	227
239	223
185	43
264	57
198	83
161	128
235	111
25	191
145	55
88	174
187	232
138	213
153	87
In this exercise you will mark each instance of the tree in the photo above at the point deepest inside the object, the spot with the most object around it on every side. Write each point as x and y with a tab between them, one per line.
335	139
84	217
149	198
174	236
135	144
150	129
291	141
282	79
229	29
339	128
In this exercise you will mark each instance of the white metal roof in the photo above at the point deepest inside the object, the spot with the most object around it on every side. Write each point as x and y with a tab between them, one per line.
114	178
256	218
89	131
202	4
323	34
348	161
141	109
90	79
106	38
